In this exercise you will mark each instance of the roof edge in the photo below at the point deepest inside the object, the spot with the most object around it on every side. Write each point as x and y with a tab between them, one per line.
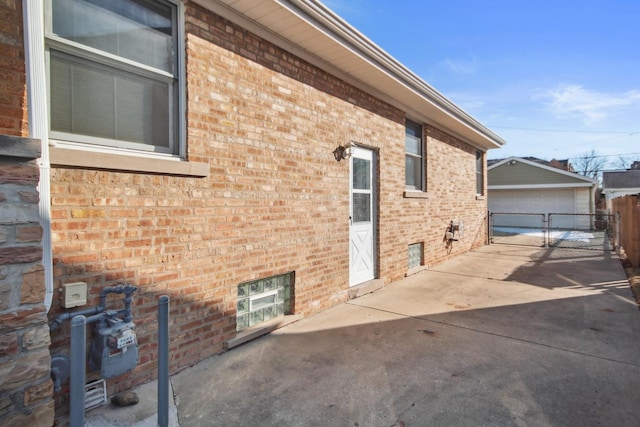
331	25
539	186
367	49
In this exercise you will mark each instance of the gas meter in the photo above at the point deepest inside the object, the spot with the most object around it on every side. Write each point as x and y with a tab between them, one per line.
114	349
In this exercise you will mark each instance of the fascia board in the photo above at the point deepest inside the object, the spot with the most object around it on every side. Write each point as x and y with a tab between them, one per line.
539	186
335	27
502	162
630	190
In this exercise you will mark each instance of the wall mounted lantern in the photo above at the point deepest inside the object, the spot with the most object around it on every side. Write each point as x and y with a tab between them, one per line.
343	151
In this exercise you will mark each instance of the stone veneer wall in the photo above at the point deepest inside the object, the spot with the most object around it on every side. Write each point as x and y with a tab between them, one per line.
26	389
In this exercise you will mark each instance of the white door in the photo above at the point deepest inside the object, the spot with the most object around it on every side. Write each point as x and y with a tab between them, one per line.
362	217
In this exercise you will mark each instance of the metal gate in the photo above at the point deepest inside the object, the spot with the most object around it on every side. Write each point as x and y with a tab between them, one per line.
526	229
559	230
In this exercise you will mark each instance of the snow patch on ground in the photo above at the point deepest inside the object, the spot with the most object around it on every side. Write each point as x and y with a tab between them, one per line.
571	235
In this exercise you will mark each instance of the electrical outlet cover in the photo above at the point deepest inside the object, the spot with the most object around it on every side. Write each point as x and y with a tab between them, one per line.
74	294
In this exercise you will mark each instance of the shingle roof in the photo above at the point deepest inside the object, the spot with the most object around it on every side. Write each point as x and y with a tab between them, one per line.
621	179
558	164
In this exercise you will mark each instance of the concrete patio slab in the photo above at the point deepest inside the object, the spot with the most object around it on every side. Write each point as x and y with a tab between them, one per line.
503	335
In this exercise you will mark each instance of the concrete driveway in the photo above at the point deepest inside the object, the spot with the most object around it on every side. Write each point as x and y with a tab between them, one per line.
501	336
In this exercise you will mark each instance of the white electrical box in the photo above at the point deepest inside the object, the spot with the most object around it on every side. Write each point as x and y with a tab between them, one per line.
74	294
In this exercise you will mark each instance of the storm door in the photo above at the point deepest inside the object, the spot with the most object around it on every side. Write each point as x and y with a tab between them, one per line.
362	216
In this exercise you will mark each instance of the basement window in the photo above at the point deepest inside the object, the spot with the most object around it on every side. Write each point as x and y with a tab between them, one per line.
415	255
262	300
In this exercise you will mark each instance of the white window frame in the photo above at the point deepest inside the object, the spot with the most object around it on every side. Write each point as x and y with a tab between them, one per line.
421	156
479	172
101	145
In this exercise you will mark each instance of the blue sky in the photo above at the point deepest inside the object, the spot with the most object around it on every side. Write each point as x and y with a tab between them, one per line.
554	78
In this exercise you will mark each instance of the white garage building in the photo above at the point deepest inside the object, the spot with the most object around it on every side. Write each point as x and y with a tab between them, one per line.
517	185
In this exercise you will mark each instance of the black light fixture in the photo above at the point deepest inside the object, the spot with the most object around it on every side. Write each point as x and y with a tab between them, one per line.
342	152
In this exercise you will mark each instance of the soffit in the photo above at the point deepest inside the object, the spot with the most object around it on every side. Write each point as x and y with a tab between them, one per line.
309	30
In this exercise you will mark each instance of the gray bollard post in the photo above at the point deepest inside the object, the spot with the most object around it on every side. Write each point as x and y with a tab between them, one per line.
163	361
78	370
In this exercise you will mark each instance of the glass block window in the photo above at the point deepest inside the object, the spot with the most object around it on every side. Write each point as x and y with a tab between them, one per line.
415	255
263	299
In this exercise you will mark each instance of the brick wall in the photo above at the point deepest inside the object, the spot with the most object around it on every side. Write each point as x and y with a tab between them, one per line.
13	100
451	183
25	387
275	200
451	189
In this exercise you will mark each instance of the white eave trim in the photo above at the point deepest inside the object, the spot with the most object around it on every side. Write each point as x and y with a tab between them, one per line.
628	190
414	96
540	186
340	31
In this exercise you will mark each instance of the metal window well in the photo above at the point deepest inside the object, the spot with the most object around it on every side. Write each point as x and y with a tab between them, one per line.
262	300
95	394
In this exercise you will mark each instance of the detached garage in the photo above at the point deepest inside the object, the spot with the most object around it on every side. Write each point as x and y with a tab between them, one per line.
517	185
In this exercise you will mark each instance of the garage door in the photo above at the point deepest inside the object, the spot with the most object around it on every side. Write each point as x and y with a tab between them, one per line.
533	201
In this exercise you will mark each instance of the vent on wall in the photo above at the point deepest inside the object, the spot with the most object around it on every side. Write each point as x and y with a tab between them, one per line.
95	394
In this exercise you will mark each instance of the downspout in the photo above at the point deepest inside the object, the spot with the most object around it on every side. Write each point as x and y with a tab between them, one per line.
33	23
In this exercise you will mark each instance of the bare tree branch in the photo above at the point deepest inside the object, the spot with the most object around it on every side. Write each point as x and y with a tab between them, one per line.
624	162
590	164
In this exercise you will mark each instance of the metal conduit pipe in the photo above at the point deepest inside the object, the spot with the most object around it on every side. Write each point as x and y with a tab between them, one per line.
128	317
126	289
55	324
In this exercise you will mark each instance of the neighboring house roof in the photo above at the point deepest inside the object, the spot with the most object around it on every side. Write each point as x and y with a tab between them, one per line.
311	31
517	172
558	164
619	180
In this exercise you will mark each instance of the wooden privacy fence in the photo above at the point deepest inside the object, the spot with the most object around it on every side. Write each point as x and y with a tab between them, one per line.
628	208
